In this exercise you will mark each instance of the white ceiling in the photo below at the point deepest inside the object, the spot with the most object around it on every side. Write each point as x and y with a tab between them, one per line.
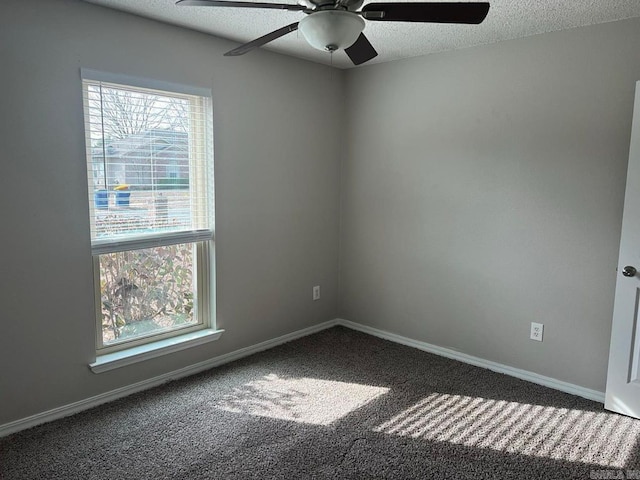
507	19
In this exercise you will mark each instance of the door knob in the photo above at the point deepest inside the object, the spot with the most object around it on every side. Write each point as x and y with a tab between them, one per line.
629	271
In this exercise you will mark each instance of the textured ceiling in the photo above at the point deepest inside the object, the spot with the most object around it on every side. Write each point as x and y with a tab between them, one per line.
507	19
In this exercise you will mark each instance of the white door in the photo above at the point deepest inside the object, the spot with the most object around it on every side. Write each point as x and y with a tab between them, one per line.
623	379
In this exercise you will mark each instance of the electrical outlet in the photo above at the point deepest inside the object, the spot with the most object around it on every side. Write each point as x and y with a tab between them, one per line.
316	292
536	331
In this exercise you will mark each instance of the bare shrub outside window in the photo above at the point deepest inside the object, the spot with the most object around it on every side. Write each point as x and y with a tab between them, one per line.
146	291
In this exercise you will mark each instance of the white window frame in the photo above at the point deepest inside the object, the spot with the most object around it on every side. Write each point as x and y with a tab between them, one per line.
152	345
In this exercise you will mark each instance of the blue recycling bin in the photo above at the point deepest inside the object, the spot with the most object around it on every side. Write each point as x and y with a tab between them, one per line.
101	199
122	198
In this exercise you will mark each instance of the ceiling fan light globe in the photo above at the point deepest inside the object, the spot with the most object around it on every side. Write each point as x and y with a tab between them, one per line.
331	29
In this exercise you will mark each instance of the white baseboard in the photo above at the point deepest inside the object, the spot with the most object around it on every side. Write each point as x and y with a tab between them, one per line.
76	407
479	362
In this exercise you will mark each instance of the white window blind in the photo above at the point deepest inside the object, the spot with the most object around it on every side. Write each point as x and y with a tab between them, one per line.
148	166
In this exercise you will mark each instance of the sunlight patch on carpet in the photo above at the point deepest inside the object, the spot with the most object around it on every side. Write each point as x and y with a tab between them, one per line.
304	400
518	428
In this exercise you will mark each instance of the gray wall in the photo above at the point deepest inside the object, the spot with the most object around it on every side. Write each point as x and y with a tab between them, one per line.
482	190
277	194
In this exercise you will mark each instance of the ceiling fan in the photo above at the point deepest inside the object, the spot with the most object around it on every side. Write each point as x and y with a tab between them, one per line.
334	24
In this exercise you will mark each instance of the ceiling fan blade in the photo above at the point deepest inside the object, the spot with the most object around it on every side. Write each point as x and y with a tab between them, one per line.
222	3
258	42
449	12
361	51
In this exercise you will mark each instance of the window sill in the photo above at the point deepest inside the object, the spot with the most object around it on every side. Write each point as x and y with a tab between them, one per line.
111	361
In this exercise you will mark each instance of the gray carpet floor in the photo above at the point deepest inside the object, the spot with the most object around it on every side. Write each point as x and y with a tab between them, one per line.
338	404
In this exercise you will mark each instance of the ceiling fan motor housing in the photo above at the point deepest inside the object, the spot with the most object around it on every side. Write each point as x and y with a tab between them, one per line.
331	30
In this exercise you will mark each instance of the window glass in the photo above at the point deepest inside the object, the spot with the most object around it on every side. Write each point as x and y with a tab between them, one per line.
150	202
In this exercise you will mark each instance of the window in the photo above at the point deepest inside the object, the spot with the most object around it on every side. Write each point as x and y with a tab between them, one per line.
149	168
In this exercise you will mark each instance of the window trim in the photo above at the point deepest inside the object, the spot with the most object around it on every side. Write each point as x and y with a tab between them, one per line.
141	348
143	83
140	353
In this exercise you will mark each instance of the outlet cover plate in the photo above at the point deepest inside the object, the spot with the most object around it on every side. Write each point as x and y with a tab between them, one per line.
537	329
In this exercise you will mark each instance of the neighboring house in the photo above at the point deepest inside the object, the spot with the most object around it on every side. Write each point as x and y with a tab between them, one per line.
153	158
